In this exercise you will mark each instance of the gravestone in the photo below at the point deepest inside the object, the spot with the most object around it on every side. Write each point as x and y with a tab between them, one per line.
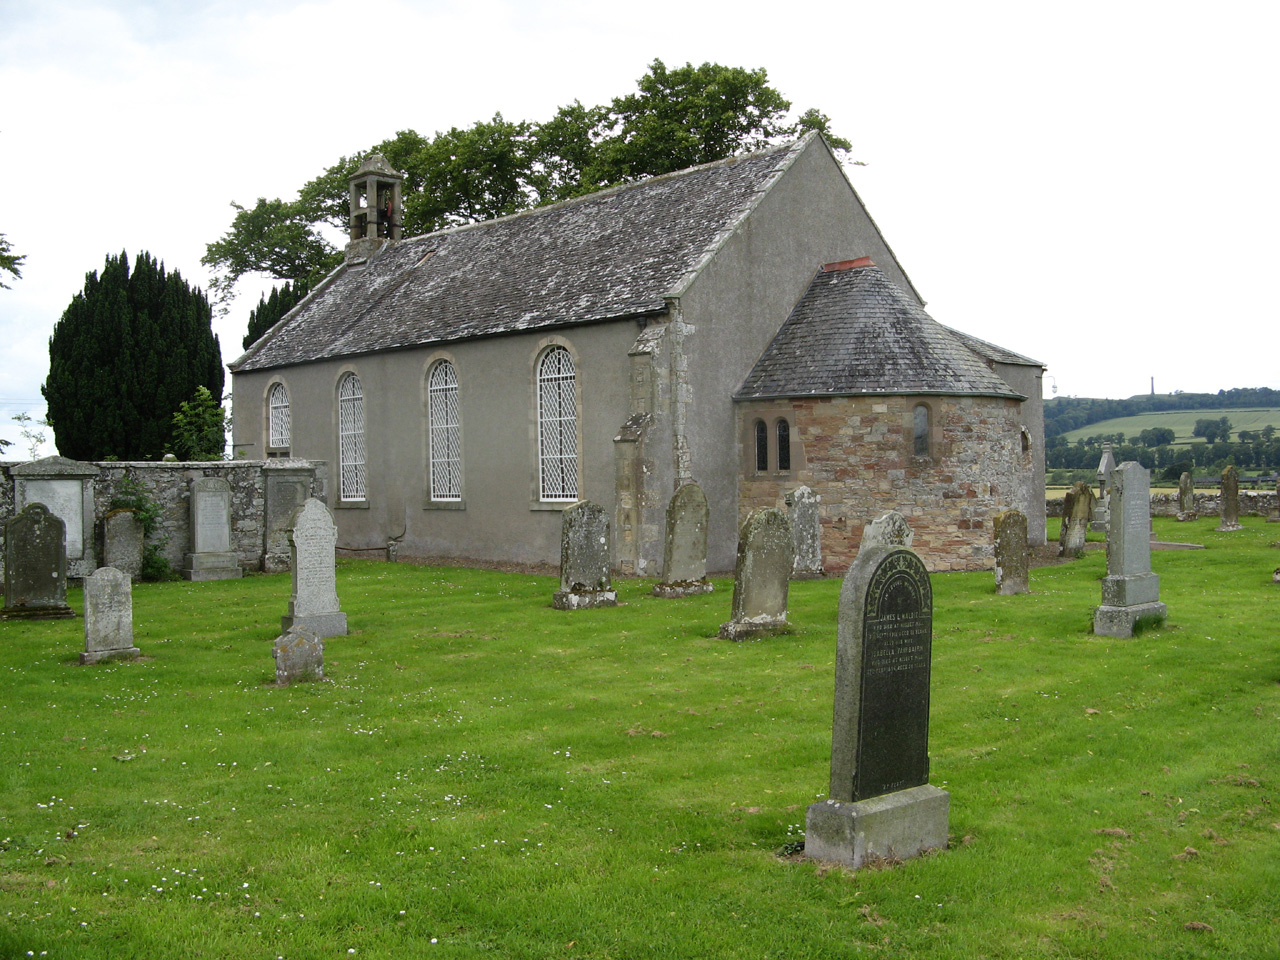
65	488
35	566
108	616
881	803
891	530
584	559
1274	515
299	656
1102	503
1230	501
766	554
1186	498
684	554
287	487
1013	555
1077	507
1130	591
313	543
806	532
211	557
122	542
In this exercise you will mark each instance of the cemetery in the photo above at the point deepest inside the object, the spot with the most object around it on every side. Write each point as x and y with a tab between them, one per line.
468	768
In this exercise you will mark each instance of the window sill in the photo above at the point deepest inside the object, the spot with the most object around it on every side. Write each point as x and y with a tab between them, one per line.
445	505
551	504
351	505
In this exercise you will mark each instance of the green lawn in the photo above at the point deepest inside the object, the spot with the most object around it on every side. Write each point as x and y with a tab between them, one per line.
485	776
1181	422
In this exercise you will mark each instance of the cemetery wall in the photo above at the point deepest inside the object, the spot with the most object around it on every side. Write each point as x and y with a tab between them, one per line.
1256	503
168	486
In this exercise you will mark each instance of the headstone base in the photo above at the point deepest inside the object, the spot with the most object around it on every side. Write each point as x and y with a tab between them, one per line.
897	825
1098	526
97	656
684	588
1225	527
1133	591
211	566
322	624
753	628
568	600
36	613
1123	621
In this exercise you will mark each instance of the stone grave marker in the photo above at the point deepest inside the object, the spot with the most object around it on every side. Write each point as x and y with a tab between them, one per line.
881	803
65	488
299	655
584	559
108	616
684	554
806	531
35	565
891	530
122	542
766	555
1102	503
1186	498
287	487
1274	515
313	544
1130	591
1013	555
1230	501
211	557
1077	507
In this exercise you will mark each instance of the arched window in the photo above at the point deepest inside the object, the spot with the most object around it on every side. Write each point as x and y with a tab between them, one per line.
277	416
920	431
784	445
351	453
762	447
557	427
444	439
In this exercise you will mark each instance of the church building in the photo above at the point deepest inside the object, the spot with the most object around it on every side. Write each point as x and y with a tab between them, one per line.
743	324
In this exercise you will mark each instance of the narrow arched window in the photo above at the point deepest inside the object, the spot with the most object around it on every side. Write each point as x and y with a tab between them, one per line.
557	427
784	445
444	433
920	431
351	447
277	416
762	447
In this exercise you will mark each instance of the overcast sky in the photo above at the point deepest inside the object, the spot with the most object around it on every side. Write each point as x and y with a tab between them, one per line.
1091	184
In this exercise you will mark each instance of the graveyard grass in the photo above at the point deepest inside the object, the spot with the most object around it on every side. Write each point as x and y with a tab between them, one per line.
482	775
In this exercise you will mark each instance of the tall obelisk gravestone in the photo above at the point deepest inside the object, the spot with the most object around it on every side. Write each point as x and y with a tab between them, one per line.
881	802
1130	591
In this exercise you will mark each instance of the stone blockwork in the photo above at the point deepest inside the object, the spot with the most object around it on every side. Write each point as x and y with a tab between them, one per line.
857	454
168	484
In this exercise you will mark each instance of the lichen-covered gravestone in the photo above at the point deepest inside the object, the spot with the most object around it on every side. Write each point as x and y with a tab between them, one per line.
299	656
313	542
1013	555
1130	591
684	554
584	559
1186	498
1102	503
766	554
122	542
287	488
806	532
35	566
211	557
1077	507
1230	501
108	616
881	804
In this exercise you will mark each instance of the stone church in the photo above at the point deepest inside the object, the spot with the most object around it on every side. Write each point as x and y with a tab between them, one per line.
743	324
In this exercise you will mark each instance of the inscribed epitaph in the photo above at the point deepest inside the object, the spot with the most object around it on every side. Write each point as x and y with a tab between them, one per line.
584	559
35	565
1013	555
766	555
313	602
1130	591
1230	501
806	532
684	554
108	616
211	557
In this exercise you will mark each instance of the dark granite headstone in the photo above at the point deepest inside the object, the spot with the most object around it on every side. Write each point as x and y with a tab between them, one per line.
35	565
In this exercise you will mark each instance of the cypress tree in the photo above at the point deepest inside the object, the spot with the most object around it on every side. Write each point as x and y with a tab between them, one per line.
128	350
271	308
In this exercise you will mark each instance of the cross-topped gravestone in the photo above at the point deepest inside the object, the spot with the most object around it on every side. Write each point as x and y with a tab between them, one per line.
684	554
122	542
313	603
1077	507
1186	498
1130	591
806	531
1230	500
584	559
881	803
108	616
1102	504
1013	555
211	557
299	656
766	554
35	565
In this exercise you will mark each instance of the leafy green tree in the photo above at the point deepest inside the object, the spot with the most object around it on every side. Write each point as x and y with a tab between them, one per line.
1156	436
129	348
10	262
200	428
271	308
274	238
1212	430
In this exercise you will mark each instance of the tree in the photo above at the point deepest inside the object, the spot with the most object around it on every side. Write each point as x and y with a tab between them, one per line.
1212	430
271	309
274	238
1156	436
10	261
129	348
200	428
29	427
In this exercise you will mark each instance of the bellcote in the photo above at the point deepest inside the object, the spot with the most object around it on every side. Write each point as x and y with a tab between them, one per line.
377	208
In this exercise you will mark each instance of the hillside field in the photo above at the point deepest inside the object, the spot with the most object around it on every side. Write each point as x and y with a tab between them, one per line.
1182	422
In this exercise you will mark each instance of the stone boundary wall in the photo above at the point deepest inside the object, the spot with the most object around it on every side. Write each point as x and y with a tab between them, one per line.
1254	503
168	485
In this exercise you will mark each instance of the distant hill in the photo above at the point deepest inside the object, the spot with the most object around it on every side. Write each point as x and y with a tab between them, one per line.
1181	422
1065	414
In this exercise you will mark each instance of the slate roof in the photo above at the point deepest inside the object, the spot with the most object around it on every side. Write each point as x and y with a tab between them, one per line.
612	254
856	332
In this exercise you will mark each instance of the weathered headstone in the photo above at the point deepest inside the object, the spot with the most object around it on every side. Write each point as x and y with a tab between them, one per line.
287	487
1229	499
211	557
806	531
766	554
881	803
1130	591
1274	515
1077	507
584	559
108	616
35	565
1102	503
1013	555
65	488
684	555
1186	498
313	602
891	530
299	655
122	542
